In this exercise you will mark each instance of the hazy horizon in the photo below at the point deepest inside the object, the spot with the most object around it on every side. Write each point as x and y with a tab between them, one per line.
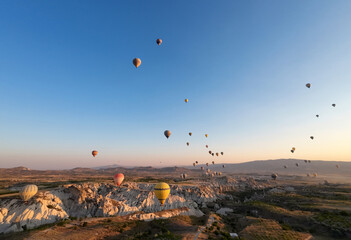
68	85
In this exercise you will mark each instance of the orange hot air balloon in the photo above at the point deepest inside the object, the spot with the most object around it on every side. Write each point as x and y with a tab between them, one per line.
190	134
167	133
186	100
159	41
118	178
206	135
94	153
136	62
217	154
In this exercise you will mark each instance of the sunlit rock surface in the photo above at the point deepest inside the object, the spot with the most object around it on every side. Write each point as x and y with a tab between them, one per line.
103	200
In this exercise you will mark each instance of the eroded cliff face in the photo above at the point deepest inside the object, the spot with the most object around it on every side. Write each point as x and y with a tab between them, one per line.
102	200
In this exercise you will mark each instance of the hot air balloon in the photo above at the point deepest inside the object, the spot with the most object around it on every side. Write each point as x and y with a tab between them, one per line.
315	174
206	146
305	161
334	105
292	151
317	116
158	41
210	152
312	137
187	143
194	164
296	164
223	166
274	176
118	178
309	161
217	154
162	191
212	162
186	100
28	192
207	164
293	148
167	133
136	62
190	134
206	135
222	153
94	153
308	85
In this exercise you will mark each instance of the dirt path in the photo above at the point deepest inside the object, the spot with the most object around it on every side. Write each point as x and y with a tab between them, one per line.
209	223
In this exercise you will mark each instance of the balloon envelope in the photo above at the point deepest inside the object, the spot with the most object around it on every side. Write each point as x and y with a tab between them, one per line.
190	134
136	62
159	41
167	133
162	191
94	153
118	178
186	100
28	192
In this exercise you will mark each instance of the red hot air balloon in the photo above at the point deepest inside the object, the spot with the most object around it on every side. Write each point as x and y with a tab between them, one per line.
94	153
118	178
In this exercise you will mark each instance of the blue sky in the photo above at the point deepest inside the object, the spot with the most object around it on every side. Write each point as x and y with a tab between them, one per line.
68	86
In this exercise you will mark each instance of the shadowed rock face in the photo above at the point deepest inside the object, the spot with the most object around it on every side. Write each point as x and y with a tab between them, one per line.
101	200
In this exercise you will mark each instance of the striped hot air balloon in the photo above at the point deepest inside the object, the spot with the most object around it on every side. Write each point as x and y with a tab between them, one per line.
162	191
28	192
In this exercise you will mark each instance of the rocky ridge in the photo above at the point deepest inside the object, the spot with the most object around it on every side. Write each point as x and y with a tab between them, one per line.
102	200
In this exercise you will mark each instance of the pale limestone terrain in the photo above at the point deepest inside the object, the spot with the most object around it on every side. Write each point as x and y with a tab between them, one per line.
88	200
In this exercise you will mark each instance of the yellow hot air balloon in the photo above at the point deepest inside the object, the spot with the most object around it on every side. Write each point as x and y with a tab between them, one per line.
190	134
206	135
162	191
167	133
28	192
293	149
94	153
186	100
136	62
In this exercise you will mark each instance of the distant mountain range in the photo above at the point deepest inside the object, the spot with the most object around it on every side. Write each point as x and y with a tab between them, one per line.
269	166
253	167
